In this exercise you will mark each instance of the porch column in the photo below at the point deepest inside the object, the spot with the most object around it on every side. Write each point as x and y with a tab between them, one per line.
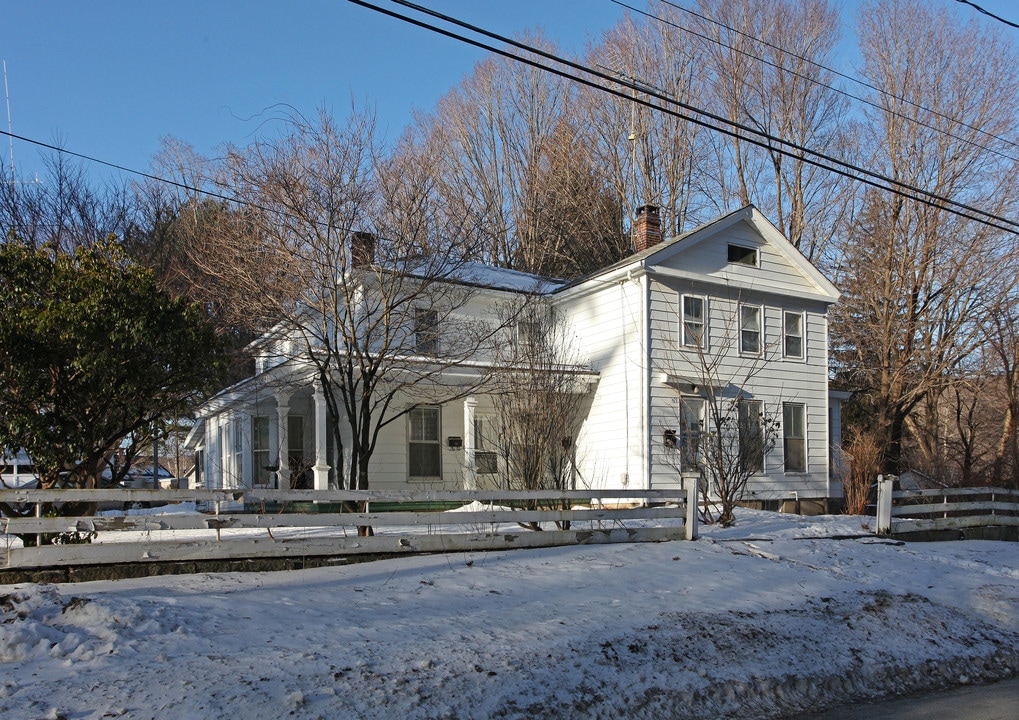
470	444
221	456
321	469
280	441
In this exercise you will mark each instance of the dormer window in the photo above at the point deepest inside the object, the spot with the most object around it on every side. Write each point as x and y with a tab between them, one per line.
743	255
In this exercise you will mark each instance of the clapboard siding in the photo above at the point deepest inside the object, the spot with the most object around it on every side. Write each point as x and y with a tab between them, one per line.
625	325
709	258
610	331
770	377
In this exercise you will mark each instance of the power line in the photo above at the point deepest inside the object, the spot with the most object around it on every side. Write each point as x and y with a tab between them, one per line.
837	166
865	101
840	167
988	14
845	76
148	176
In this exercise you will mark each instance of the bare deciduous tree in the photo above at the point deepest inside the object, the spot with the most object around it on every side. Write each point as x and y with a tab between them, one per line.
649	157
917	279
356	280
539	403
725	433
64	208
1002	349
766	63
512	166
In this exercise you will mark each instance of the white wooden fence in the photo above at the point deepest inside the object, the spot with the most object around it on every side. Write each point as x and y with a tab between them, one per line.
901	511
593	517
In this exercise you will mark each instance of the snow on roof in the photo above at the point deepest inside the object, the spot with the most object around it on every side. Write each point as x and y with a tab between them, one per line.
474	274
504	279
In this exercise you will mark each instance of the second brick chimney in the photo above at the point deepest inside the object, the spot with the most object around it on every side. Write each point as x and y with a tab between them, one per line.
647	228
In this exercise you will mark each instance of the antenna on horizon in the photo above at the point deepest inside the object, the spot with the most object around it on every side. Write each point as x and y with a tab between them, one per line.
10	136
10	131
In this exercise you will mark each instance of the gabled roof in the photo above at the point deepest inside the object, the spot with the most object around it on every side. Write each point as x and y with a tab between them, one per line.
647	260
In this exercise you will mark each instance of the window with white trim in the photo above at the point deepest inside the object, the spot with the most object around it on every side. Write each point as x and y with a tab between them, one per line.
426	332
793	344
237	451
260	450
750	429
528	332
298	465
486	461
693	320
750	329
424	447
691	427
742	255
794	436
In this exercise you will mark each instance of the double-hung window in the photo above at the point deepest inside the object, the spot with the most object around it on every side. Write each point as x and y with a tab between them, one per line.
693	321
297	470
260	451
424	449
691	427
794	436
750	427
750	329
486	460
792	335
426	332
237	449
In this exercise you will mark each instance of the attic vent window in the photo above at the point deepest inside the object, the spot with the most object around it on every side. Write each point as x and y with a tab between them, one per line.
743	255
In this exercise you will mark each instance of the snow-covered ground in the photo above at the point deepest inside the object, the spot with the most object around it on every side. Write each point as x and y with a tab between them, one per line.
764	619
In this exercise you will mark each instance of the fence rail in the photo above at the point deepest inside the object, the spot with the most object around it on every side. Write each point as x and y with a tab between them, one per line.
902	511
300	531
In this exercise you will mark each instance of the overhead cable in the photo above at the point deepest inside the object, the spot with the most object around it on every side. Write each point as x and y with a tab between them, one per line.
726	126
815	81
988	14
843	75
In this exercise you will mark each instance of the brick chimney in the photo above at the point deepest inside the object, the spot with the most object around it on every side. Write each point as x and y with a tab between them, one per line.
647	228
362	249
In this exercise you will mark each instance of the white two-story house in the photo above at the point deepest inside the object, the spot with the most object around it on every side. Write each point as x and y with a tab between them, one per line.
728	317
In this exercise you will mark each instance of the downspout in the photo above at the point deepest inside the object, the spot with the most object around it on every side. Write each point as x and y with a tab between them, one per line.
626	379
646	374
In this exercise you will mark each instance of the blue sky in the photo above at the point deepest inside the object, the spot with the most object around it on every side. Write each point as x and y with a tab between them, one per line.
109	78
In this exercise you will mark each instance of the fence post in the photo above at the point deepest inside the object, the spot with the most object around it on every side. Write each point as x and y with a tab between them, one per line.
691	511
884	504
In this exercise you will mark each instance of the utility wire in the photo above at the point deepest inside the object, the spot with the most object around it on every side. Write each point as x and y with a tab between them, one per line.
148	176
889	185
845	76
988	14
837	166
815	81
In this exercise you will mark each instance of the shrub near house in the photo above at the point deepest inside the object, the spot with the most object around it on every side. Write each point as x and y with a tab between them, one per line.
92	351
